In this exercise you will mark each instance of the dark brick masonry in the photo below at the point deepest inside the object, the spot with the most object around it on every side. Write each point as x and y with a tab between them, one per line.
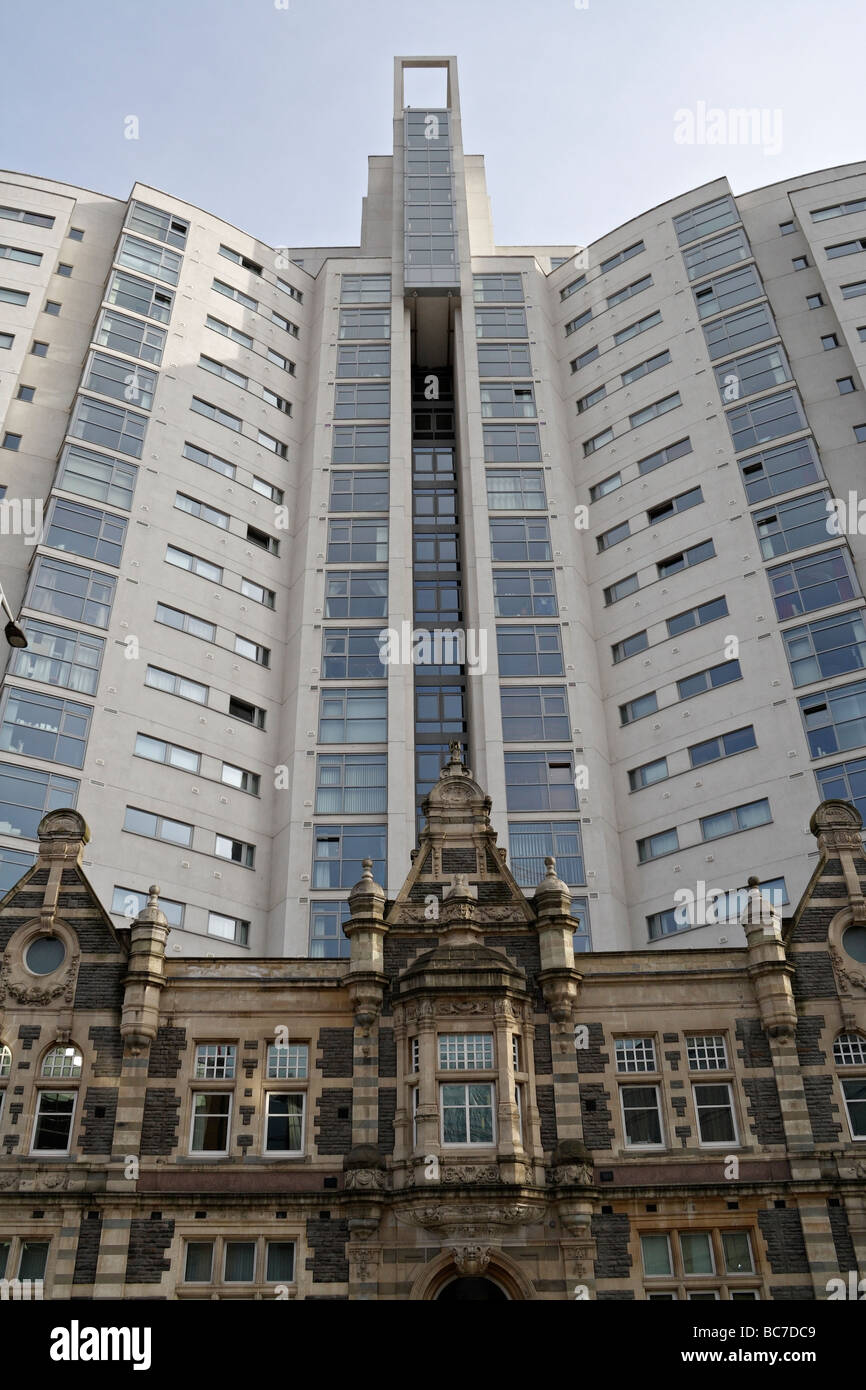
387	1052
596	1117
783	1232
547	1115
145	1262
765	1113
97	1134
87	1253
165	1050
327	1240
100	985
808	1037
28	1034
813	975
108	1050
755	1050
845	1252
333	1124
159	1122
612	1260
819	1099
541	1048
387	1111
337	1049
592	1059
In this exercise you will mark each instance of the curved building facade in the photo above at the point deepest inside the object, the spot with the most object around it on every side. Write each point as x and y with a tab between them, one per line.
281	524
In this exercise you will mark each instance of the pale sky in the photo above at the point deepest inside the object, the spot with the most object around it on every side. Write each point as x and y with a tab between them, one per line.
266	116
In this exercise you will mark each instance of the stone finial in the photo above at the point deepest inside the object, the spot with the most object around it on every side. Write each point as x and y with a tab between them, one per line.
63	835
760	914
152	914
552	883
366	885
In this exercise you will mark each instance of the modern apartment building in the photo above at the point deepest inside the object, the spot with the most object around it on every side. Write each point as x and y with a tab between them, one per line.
248	489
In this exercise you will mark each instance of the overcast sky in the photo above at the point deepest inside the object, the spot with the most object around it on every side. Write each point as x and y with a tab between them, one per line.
265	116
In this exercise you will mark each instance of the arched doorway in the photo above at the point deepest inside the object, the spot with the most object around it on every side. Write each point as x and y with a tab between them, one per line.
472	1290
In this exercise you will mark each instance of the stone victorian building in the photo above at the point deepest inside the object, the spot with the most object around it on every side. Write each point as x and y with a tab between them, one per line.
463	1109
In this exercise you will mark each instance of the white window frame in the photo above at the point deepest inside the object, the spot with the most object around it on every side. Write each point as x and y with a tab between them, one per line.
54	1090
210	1153
628	1143
467	1143
284	1153
716	1143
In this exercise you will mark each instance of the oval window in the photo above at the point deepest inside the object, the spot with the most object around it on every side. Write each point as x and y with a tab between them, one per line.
854	942
44	955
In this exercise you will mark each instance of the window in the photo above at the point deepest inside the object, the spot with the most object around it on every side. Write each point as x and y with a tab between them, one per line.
581	938
654	846
591	399
845	385
508	400
599	490
651	412
584	359
12	441
511	489
239	1261
648	774
723	292
127	335
695	555
126	902
5	1062
860	434
362	402
246	712
210	364
228	928
792	525
158	224
240	298
652	364
628	292
641	1117
356	594
829	341
186	622
705	257
504	359
597	442
44	726
212	461
182	559
215	1061
709	217
635	1054
465	1051
621	589
85	531
365	361
815	301
60	657
530	650
739	330
365	289
18	253
327	941
714	1109
519	539
139	296
265	489
800	262
258	593
239	778
539	782
95	476
215	412
534	712
849	1050
709	679
6	340
12	296
656	1256
287	1061
236	851
357	542
467	1113
365	323
838	210
696	617
39	349
202	510
278	359
70	591
284	1125
62	1063
681	503
746	817
664	923
52	1131
33	219
751	373
109	426
173	684
512	444
845	248
252	651
210	1126
353	716
617	259
638	708
339	852
854	290
835	720
531	842
723	746
495	289
198	1262
574	324
279	320
351	784
351	654
174	832
360	444
149	260
815	581
640	326
240	260
782	469
236	336
572	287
706	1052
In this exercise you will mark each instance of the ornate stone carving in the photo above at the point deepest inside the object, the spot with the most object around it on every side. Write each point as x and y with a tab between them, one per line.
566	1173
471	1219
12	983
461	1173
367	1180
465	1006
471	1260
846	977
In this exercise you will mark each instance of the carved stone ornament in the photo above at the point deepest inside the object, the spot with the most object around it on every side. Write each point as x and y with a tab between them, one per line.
462	1173
465	1006
470	1219
367	1180
364	1260
17	983
848	978
567	1173
471	1260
